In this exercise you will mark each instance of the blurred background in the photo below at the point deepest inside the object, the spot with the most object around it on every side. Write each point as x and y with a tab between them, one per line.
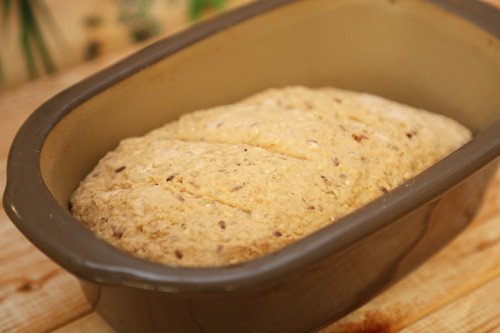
40	37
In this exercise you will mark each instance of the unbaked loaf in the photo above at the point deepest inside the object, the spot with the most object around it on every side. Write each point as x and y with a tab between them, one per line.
232	183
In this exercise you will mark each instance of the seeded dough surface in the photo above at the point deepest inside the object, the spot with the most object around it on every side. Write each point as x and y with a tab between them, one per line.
228	184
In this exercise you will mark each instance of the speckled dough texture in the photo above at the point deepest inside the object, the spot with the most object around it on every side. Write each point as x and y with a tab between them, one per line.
228	184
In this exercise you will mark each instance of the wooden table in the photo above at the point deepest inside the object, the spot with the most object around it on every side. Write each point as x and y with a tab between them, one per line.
458	290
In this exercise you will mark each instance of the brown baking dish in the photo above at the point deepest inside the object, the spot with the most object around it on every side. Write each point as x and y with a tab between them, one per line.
441	55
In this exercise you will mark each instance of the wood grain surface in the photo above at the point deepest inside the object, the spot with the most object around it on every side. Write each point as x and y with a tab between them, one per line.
458	290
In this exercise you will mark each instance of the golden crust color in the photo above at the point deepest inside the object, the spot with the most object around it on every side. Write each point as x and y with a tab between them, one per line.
228	184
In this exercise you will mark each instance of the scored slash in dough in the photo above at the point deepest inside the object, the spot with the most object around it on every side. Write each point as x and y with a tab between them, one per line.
228	184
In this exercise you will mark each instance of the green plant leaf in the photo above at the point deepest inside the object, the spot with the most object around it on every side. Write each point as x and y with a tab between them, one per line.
196	7
31	32
40	7
26	46
7	5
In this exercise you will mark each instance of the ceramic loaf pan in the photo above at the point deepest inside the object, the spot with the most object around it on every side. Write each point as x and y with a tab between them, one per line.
441	55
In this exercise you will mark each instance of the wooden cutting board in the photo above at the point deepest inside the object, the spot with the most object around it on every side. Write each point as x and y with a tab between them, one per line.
458	290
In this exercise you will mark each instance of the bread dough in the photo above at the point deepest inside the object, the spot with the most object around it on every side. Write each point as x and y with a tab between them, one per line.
228	184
